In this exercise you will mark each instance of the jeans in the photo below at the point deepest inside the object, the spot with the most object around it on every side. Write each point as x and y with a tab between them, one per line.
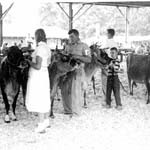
113	84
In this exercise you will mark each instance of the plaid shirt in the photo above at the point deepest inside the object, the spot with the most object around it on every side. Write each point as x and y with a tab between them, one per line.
113	70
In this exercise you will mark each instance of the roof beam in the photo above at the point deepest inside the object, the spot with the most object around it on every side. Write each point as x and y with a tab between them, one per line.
123	14
6	11
63	10
128	3
79	10
84	12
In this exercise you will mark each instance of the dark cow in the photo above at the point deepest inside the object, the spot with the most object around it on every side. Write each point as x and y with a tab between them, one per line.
10	79
138	71
27	52
61	64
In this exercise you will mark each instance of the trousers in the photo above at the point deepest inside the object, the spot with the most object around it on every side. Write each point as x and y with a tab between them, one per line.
113	84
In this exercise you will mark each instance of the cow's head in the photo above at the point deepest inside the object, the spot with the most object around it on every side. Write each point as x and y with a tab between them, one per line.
64	62
63	58
15	58
99	56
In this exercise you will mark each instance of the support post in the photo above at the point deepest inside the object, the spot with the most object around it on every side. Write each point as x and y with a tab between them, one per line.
127	25
1	26
70	16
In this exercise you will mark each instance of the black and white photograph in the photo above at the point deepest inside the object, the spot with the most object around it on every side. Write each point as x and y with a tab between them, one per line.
74	75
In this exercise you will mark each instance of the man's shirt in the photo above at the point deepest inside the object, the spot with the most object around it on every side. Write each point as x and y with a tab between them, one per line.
109	43
78	48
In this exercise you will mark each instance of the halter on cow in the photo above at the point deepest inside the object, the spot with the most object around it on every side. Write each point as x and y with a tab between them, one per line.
10	79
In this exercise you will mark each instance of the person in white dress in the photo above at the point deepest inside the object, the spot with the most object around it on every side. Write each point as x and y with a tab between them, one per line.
38	87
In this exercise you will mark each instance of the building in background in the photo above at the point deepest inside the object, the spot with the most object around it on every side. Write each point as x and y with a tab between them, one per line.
14	34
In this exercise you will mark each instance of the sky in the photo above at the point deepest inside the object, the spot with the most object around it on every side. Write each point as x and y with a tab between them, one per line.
24	15
22	11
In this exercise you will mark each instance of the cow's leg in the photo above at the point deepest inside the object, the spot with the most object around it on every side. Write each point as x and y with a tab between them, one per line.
7	106
53	93
57	95
93	80
13	117
85	103
52	104
148	90
130	87
24	87
134	84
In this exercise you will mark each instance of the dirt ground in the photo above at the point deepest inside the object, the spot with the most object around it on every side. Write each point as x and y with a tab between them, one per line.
97	128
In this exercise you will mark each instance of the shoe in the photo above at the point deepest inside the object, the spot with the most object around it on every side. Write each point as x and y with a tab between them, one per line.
47	123
107	106
7	119
119	107
40	128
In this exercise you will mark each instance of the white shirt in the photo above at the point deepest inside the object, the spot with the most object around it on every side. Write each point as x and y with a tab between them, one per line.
44	52
109	43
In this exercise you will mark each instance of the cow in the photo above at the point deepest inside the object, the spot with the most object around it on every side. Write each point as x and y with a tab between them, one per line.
60	65
27	52
99	60
10	79
138	71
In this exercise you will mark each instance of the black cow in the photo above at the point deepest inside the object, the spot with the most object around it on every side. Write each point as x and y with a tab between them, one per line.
27	52
138	71
10	79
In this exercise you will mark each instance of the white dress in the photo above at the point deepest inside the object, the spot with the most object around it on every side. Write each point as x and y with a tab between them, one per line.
38	87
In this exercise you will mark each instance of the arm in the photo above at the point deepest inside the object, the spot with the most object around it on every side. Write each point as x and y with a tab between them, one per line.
85	59
86	54
37	64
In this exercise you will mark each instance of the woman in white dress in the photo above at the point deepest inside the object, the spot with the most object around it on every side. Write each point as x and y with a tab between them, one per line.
38	87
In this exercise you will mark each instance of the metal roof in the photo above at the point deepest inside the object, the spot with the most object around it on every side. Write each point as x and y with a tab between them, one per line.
122	3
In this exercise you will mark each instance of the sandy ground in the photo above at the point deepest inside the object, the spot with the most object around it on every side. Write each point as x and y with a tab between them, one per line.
97	128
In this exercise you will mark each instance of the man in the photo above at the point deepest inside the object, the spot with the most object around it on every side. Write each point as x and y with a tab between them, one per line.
108	44
71	87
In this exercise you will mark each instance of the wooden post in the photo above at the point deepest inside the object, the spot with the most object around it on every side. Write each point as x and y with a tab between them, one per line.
1	26
127	25
70	16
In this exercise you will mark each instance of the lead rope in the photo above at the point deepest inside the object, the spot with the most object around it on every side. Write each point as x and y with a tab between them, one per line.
123	87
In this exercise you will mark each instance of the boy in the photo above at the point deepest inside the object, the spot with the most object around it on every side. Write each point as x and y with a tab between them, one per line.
113	83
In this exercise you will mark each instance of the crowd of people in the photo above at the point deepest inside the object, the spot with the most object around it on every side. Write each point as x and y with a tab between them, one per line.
38	87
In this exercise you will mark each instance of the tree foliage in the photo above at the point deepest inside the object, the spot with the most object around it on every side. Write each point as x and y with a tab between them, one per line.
103	16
